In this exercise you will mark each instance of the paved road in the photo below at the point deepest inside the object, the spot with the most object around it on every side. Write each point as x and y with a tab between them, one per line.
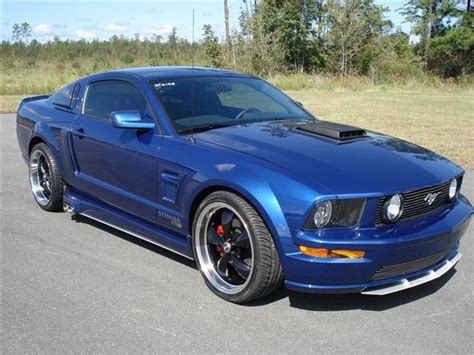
80	287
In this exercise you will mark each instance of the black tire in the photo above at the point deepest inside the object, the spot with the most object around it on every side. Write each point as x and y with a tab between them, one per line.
266	275
54	201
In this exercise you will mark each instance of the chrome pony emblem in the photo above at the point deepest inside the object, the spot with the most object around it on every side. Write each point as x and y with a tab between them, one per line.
430	198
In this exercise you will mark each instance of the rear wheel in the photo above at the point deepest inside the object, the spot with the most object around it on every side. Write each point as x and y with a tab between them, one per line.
234	250
45	178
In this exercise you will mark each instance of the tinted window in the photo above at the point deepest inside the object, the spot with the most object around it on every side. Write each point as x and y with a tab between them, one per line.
202	101
245	97
105	97
62	97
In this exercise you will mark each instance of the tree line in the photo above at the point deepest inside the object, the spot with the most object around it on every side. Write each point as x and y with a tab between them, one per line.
351	37
336	37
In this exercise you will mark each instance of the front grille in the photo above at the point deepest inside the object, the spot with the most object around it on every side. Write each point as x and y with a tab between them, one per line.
395	270
414	204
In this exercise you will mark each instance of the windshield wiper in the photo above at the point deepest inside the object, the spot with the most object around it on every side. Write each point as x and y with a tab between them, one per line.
203	128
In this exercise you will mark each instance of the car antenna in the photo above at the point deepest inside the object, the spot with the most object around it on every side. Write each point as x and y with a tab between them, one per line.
192	140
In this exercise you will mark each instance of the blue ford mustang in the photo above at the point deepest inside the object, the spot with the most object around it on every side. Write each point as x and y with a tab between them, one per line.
223	168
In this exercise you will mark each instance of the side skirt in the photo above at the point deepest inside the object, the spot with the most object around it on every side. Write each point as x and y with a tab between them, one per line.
81	205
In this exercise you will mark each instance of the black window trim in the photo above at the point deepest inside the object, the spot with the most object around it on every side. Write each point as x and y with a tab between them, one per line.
74	96
152	109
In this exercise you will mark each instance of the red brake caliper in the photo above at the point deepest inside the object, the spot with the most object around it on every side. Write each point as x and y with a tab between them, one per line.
220	233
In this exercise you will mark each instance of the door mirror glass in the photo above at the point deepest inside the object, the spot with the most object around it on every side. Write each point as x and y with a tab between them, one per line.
130	120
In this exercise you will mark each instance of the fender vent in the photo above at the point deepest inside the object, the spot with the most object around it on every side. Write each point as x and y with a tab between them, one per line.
169	186
333	130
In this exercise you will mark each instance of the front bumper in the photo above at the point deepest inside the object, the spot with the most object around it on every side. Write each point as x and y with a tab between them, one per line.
385	246
426	276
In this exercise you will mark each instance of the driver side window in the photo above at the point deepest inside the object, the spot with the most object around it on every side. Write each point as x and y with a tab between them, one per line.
105	97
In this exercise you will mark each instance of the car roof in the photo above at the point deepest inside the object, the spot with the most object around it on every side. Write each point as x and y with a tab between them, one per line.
157	73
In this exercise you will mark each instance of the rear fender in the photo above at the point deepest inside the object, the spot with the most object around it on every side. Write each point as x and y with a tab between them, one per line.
50	136
30	99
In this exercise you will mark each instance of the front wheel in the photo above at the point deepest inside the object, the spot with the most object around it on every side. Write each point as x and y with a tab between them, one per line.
45	178
234	249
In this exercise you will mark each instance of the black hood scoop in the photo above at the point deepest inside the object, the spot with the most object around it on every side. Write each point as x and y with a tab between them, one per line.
337	131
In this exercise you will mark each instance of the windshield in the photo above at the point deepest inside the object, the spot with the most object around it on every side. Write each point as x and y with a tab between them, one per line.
202	103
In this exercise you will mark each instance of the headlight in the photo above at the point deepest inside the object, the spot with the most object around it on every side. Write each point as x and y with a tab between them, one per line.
322	214
393	208
343	213
453	189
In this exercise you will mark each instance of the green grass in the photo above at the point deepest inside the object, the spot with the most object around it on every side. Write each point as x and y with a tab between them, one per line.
439	119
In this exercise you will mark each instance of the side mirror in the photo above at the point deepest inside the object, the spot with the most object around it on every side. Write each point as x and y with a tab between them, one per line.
130	120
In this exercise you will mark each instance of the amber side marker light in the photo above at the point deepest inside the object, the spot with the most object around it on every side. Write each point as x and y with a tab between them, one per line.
326	253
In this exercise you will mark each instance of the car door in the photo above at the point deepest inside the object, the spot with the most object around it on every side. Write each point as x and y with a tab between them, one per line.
116	166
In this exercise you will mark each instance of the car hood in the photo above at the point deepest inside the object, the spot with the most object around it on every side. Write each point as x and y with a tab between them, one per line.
373	164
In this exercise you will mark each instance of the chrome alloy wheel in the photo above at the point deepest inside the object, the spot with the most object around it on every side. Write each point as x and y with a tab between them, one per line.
224	248
40	177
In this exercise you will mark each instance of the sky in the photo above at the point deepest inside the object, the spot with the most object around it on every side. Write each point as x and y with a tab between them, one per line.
102	19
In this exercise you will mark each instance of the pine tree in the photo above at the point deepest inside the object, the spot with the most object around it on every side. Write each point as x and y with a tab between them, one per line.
16	33
25	31
212	48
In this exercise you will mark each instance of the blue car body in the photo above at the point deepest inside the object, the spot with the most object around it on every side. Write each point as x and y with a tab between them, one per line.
150	184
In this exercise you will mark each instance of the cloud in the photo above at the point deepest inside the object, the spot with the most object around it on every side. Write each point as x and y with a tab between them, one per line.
92	28
43	29
84	34
60	26
50	38
116	27
161	30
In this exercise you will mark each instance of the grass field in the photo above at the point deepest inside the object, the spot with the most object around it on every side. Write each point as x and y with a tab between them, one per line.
9	103
440	120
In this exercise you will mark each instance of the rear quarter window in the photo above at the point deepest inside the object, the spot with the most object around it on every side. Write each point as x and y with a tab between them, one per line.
63	96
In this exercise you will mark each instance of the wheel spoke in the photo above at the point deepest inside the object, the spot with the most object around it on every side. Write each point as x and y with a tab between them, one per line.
224	247
47	187
242	240
41	179
236	223
223	265
242	268
226	220
42	169
213	238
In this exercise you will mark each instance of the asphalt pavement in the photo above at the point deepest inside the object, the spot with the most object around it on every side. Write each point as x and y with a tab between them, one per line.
78	286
